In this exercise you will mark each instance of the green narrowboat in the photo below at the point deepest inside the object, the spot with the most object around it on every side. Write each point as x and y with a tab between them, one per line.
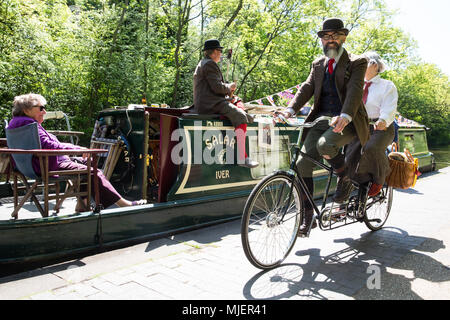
184	164
412	136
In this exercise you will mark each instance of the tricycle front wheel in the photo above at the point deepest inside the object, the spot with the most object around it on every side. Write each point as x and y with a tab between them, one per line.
271	220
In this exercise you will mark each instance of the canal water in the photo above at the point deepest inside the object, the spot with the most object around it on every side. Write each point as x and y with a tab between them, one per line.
442	156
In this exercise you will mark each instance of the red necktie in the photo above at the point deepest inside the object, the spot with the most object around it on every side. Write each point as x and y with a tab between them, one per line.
330	66
366	91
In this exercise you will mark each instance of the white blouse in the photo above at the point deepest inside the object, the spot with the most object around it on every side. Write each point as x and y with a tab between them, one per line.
382	100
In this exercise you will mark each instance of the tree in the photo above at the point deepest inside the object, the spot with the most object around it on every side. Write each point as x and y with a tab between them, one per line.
424	96
87	55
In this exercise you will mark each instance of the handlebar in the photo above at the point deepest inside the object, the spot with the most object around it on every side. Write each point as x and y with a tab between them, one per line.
305	124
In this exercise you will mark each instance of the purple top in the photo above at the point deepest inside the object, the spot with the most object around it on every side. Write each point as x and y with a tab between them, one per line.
48	141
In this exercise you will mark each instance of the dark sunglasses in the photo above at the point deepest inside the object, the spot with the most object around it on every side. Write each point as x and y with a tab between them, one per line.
41	108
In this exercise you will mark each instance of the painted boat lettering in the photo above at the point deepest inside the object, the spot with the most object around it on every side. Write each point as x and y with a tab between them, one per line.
222	174
220	140
214	123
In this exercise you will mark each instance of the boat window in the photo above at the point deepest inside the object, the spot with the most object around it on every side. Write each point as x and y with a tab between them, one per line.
270	158
414	141
408	142
420	141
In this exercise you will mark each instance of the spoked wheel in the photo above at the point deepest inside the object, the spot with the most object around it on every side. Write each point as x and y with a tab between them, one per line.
378	208
271	220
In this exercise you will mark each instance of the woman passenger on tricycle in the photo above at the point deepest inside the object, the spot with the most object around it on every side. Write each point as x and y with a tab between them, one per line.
380	99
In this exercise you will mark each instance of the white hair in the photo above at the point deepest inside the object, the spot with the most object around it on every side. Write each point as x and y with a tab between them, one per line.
374	57
26	102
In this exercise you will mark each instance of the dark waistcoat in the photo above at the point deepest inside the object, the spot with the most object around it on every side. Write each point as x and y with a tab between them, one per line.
330	104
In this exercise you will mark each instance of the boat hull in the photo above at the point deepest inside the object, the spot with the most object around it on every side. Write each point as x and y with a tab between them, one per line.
44	239
55	237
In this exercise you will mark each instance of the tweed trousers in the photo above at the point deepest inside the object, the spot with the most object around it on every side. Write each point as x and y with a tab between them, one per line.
370	163
320	141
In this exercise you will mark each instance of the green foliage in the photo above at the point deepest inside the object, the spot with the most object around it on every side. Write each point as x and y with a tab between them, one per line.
424	96
87	55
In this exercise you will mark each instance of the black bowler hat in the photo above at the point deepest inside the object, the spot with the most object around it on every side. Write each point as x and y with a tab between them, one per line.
212	44
332	24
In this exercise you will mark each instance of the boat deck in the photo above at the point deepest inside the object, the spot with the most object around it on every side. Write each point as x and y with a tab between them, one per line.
30	211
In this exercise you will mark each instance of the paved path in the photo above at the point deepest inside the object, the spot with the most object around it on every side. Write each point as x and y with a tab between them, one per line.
408	259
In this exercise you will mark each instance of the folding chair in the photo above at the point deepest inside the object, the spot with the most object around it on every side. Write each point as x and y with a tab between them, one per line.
115	148
22	151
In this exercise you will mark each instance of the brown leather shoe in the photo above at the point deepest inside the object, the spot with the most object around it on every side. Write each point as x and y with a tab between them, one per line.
374	189
303	230
343	189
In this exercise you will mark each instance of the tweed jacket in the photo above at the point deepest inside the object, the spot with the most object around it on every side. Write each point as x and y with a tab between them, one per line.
210	90
349	79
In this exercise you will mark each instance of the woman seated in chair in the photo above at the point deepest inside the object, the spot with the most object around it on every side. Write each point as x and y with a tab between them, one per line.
30	108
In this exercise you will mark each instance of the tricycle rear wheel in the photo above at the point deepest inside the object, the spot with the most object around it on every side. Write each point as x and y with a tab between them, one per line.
378	208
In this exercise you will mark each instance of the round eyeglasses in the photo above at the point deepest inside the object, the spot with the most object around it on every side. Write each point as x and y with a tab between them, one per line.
333	36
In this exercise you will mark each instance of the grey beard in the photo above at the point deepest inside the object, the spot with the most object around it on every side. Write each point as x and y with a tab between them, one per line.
330	53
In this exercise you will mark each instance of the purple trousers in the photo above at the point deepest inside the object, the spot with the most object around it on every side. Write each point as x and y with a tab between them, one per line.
108	195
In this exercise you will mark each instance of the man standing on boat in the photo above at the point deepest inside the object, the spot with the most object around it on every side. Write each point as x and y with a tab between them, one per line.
213	96
336	83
